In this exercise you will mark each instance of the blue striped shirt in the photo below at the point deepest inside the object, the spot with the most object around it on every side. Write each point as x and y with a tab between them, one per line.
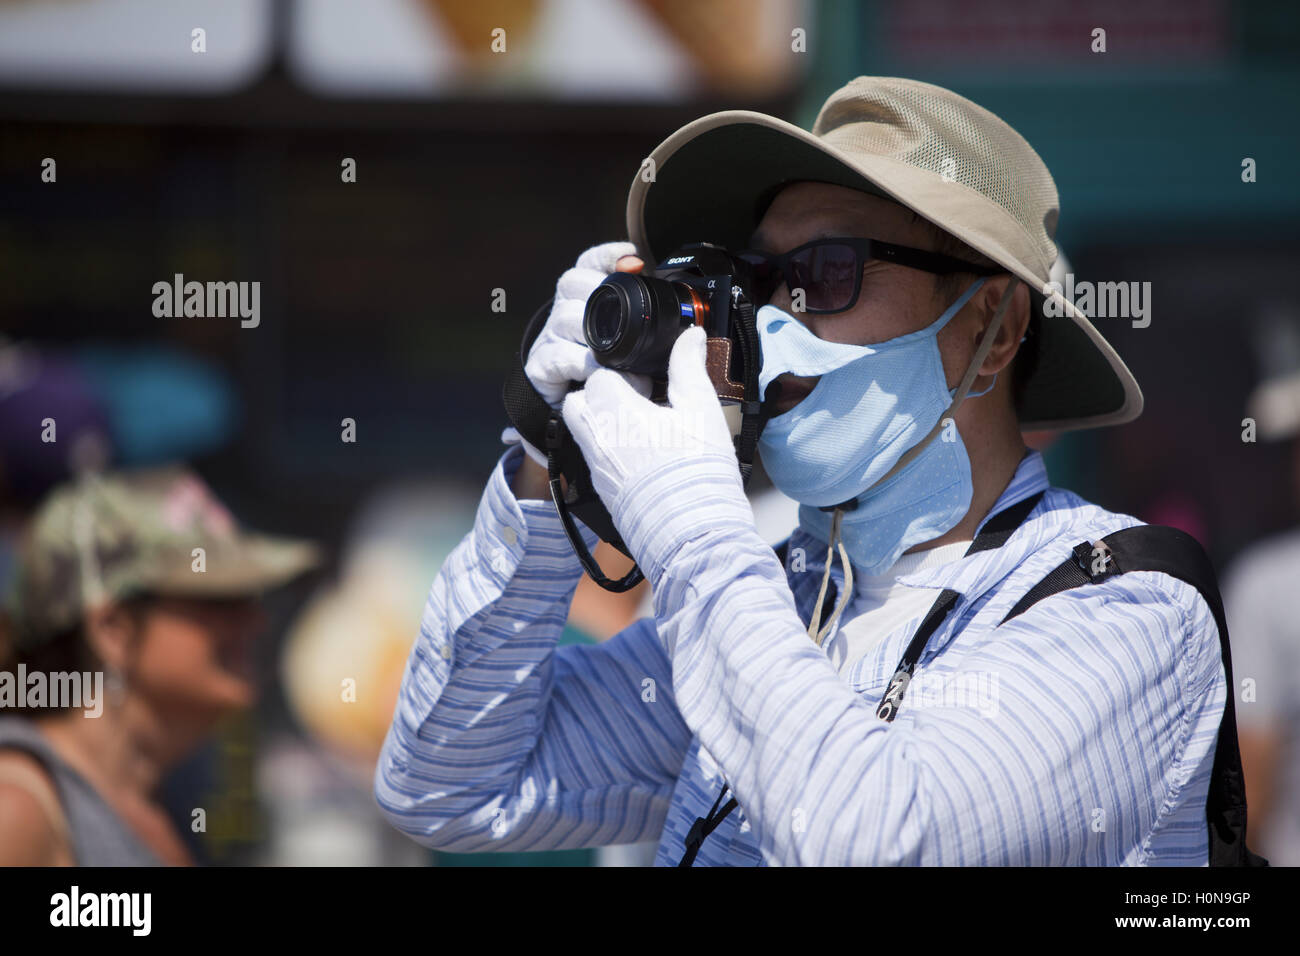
1080	733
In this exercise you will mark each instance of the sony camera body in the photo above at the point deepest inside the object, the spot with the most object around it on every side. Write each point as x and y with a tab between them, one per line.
632	320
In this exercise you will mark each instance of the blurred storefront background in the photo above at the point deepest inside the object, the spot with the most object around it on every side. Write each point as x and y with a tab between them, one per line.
218	155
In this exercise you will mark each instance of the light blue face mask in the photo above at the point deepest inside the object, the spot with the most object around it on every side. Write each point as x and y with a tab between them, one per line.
866	434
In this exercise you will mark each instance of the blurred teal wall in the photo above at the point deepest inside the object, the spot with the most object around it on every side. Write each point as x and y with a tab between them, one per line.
1142	148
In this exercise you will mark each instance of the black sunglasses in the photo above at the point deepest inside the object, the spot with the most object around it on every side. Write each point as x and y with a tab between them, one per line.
829	271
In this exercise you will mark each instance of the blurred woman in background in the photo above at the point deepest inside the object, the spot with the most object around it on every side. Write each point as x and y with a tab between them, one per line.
126	639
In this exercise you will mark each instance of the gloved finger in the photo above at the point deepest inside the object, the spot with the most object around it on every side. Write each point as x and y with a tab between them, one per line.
565	321
604	256
641	383
558	362
579	284
574	413
689	385
591	269
607	389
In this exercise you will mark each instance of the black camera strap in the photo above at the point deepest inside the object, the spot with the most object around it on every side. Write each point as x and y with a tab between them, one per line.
555	435
751	417
543	428
1139	548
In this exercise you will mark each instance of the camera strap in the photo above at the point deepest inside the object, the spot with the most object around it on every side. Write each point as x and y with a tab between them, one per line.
751	417
543	428
993	535
556	434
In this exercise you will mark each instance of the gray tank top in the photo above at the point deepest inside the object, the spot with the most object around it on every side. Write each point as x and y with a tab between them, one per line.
99	837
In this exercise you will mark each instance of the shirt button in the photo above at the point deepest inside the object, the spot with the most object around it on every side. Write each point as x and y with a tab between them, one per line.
510	535
446	652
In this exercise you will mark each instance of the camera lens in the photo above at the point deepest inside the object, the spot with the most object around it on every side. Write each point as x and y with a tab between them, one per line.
631	321
606	318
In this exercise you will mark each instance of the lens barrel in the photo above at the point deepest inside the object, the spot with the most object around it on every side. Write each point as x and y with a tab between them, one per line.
632	321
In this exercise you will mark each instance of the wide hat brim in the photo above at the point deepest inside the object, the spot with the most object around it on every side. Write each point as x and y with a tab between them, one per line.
710	179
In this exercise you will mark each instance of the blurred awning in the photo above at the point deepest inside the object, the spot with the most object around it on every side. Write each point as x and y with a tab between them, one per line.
135	46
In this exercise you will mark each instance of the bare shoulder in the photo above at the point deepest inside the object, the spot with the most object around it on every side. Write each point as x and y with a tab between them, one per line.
27	835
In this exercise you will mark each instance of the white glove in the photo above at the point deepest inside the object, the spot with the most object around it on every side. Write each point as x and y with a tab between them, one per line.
647	459
560	354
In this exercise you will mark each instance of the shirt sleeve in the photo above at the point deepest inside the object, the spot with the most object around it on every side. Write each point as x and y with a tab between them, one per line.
1108	701
500	739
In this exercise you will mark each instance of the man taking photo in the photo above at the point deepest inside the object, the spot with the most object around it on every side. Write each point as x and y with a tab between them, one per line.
957	663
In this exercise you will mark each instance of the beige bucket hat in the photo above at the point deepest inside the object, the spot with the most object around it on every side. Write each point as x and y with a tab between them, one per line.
940	155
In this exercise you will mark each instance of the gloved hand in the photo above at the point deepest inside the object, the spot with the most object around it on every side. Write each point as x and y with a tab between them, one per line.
651	464
560	355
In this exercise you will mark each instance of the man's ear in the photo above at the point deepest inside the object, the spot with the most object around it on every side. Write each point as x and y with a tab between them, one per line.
111	632
1015	321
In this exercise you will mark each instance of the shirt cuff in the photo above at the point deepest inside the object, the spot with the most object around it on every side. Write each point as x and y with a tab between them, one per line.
511	436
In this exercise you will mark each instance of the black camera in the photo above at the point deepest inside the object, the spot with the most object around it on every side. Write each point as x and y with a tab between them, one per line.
632	320
630	323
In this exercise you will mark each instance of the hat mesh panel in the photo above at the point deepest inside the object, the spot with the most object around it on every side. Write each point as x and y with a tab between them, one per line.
927	128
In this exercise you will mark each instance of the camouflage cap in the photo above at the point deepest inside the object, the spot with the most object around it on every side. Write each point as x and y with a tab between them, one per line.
159	531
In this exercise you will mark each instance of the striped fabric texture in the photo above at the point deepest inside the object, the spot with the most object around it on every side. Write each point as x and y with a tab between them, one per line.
1080	733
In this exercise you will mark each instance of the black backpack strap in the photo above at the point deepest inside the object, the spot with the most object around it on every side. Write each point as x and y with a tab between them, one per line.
1174	552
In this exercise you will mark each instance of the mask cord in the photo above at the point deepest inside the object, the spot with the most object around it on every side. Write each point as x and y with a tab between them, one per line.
819	636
